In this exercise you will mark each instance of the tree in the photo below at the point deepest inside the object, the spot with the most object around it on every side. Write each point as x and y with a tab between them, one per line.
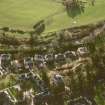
9	40
39	27
5	29
45	78
33	41
70	3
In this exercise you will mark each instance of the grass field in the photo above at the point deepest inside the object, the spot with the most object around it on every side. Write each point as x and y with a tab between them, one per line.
23	14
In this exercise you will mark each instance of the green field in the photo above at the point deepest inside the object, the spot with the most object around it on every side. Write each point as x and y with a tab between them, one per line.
23	14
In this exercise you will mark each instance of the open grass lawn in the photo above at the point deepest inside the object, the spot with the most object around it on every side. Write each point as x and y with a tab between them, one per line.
23	14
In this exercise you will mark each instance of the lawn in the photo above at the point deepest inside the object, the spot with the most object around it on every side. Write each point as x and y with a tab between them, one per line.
23	14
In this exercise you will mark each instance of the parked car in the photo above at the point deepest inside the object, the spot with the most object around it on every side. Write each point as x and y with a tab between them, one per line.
5	60
39	58
57	84
28	75
22	77
39	61
82	51
3	71
25	76
49	58
70	55
58	79
28	63
60	58
5	56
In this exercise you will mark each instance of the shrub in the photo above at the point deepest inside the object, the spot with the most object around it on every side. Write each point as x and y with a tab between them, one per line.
39	27
5	29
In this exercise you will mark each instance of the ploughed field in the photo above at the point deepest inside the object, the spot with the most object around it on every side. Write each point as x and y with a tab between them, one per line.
23	14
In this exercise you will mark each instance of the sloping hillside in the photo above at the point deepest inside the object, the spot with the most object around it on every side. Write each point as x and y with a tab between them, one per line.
25	13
